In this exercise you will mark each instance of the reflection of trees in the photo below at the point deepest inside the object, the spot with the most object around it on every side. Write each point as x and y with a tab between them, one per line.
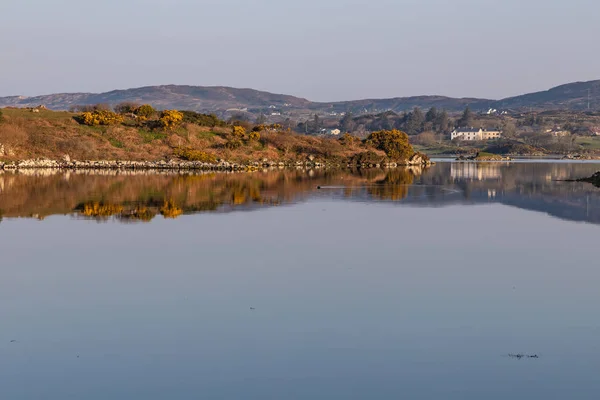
394	186
142	197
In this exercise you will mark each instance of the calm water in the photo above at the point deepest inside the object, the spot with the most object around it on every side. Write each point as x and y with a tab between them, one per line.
382	285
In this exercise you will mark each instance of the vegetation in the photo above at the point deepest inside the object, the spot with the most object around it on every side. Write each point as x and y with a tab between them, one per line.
105	134
145	111
100	117
195	155
394	143
170	119
209	120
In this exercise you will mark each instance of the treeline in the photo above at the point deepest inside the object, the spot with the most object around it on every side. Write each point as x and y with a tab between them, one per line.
413	122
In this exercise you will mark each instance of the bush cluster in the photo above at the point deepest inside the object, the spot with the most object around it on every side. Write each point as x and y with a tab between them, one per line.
210	120
100	117
195	155
394	143
170	119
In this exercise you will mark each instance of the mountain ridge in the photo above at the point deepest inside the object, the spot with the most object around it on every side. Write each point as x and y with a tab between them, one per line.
220	99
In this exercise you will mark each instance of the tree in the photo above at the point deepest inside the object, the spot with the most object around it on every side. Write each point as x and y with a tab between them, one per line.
394	143
316	123
509	129
126	107
442	123
467	118
261	119
432	115
346	123
414	125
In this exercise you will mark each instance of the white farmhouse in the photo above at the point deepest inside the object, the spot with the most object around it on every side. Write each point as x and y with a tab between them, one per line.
473	134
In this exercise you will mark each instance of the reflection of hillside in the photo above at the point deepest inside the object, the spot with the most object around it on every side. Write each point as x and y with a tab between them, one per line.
135	197
141	197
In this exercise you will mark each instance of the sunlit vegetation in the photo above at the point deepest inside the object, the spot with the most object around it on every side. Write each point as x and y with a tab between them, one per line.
100	117
394	143
145	111
195	155
139	132
170	119
170	209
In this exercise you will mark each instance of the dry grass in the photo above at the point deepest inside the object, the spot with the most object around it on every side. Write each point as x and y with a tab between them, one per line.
55	134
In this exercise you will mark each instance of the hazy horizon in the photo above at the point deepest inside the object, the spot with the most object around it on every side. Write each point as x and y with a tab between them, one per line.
328	50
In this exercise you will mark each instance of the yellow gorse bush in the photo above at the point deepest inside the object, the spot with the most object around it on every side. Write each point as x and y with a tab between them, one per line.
100	117
239	131
170	119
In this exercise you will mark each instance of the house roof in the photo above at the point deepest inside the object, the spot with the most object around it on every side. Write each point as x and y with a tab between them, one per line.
467	130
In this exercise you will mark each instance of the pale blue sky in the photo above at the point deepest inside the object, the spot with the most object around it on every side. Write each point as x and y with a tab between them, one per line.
319	49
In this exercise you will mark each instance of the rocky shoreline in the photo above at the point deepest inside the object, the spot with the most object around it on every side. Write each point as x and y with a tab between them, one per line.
176	165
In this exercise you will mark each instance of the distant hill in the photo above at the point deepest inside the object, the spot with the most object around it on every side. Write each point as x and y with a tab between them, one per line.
572	96
219	99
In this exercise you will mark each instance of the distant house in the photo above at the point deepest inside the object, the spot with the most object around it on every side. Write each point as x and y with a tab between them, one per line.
474	134
558	132
334	132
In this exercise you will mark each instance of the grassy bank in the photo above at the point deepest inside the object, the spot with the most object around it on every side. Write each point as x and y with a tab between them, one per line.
25	134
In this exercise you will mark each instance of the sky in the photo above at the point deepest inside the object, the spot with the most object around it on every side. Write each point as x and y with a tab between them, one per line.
323	50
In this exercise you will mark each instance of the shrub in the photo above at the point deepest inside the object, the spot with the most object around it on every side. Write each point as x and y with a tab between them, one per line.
170	119
195	155
209	120
254	136
145	111
349	140
239	131
394	143
233	143
1	117
99	117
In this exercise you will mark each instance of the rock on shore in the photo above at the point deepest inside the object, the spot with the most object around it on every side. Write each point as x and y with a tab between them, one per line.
311	162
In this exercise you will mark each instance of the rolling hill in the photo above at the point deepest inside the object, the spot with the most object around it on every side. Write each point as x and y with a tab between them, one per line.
220	99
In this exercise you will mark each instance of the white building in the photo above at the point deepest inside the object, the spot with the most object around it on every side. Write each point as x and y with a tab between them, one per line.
473	134
335	132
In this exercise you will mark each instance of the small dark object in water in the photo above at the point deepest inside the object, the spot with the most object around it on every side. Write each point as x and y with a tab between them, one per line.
594	179
520	356
252	308
13	341
318	187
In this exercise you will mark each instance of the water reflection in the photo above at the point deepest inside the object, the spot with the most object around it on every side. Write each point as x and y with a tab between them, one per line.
143	196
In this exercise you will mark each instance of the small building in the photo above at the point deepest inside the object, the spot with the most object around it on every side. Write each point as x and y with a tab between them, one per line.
491	134
334	132
558	132
474	134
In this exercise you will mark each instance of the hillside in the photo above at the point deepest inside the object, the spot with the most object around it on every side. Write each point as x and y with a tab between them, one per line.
218	99
572	96
187	137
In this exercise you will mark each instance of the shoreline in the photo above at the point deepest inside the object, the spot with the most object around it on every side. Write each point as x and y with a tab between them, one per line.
175	165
